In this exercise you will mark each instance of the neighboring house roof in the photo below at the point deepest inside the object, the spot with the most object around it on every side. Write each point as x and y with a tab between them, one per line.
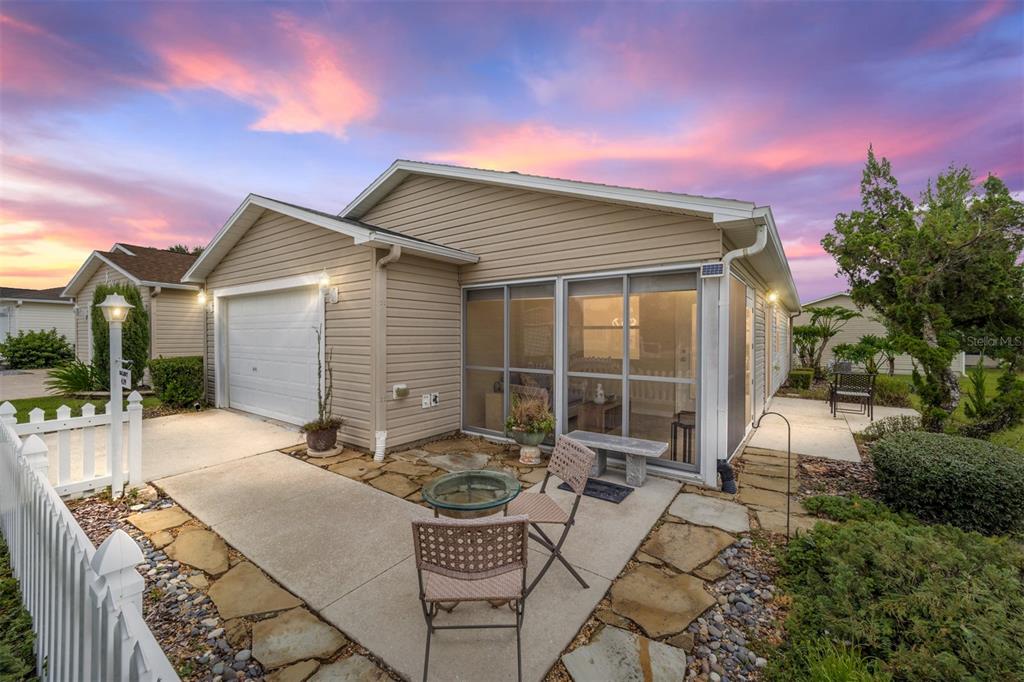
35	295
362	233
826	298
142	265
739	219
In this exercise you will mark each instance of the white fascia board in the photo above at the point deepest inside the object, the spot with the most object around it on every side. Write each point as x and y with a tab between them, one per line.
826	298
20	301
191	274
120	247
170	285
415	247
716	209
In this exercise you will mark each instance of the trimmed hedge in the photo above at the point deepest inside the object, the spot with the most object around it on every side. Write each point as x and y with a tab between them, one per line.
134	333
891	392
909	600
973	484
178	381
801	378
36	349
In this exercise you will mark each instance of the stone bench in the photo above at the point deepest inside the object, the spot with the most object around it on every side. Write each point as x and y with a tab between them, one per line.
636	450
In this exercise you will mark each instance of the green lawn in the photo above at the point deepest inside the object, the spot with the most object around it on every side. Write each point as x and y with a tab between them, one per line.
1013	437
50	404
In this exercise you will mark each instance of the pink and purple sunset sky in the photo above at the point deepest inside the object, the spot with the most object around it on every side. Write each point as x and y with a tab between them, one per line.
149	123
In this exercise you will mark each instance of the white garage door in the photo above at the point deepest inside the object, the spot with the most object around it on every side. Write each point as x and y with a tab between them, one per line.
272	351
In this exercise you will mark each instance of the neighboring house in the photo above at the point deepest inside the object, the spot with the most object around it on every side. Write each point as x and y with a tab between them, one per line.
29	310
636	312
867	323
177	322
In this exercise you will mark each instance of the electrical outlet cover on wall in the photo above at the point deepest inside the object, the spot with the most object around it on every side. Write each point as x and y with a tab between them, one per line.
425	400
435	398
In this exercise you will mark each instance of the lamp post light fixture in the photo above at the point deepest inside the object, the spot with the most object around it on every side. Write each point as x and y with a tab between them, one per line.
115	309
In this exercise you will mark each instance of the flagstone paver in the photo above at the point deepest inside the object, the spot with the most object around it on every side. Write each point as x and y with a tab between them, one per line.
294	636
773	470
410	469
161	539
712	571
395	484
355	468
297	672
659	603
685	546
162	519
703	511
617	654
775	522
458	461
343	456
352	669
245	590
766	482
767	499
200	548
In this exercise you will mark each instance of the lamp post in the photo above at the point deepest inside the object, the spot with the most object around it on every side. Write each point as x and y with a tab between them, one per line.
115	310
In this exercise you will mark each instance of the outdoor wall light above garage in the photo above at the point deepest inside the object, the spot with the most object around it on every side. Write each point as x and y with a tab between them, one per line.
773	297
204	300
329	293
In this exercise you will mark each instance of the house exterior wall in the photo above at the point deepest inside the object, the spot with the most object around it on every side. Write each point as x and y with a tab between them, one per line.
424	348
520	233
858	327
31	316
278	246
178	324
83	300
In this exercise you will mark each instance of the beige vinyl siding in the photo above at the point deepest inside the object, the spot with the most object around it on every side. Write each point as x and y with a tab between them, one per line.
104	274
423	348
30	317
177	323
277	246
760	349
520	233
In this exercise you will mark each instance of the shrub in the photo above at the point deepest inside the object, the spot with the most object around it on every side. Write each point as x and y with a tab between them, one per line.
920	602
969	483
178	381
73	377
17	662
897	423
891	392
35	349
801	378
852	508
134	333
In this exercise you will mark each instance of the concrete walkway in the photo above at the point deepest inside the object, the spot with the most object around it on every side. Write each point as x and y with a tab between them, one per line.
346	548
815	431
23	383
185	442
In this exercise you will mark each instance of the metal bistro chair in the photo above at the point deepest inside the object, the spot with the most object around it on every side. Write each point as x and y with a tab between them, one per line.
471	560
854	388
570	461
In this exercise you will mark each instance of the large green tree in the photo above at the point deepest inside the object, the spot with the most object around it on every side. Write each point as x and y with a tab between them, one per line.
944	273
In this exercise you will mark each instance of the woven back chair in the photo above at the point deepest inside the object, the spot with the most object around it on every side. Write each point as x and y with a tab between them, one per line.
570	461
475	560
856	388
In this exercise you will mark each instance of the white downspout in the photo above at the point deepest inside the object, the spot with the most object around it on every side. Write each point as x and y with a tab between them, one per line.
760	241
380	357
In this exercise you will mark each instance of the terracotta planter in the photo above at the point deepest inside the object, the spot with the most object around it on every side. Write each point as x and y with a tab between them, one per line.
322	440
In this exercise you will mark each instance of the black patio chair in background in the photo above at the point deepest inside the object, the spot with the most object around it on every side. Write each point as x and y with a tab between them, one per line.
858	388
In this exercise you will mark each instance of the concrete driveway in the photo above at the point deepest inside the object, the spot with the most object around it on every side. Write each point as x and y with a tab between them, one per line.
815	431
22	383
346	549
186	442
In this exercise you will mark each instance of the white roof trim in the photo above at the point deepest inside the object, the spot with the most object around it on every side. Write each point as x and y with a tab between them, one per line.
211	255
88	268
121	247
21	301
170	285
710	207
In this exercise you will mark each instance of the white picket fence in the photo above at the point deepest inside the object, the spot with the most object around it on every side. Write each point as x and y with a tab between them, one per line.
86	604
69	483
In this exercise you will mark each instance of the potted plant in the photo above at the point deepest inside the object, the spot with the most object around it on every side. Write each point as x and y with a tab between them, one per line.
322	432
529	421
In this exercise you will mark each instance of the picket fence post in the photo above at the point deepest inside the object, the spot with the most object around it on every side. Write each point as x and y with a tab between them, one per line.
135	439
7	414
36	454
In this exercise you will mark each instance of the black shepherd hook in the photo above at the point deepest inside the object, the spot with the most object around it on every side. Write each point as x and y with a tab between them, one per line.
789	457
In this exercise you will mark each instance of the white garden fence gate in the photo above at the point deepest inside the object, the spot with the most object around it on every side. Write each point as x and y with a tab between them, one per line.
85	603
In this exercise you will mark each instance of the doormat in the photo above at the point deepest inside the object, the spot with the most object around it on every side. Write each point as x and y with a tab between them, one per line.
603	490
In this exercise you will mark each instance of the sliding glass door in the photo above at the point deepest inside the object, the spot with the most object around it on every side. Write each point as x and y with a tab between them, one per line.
509	351
631	360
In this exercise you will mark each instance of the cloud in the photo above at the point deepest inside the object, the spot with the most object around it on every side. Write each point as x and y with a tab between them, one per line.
52	215
301	82
963	27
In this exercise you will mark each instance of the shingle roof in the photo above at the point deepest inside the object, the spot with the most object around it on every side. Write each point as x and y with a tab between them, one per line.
151	265
34	294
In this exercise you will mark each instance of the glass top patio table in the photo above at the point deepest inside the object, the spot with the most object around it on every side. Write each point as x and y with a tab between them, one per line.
473	490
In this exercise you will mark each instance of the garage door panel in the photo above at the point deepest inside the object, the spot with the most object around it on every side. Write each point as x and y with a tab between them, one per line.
272	353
